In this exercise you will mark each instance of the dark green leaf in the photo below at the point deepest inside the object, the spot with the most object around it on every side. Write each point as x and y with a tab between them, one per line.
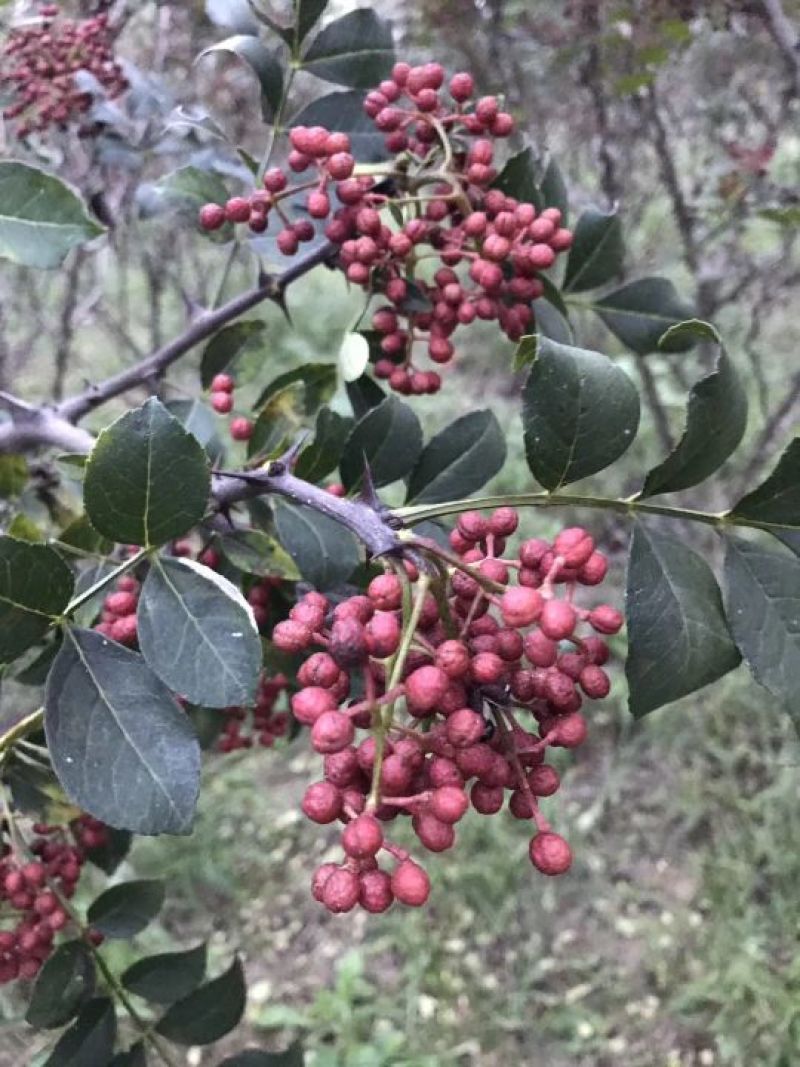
307	14
82	535
641	312
210	1012
168	977
790	538
554	190
549	323
678	640
777	500
147	479
364	394
416	299
89	1042
208	724
225	346
135	1056
318	381
255	552
35	672
264	64
63	984
388	438
280	420
13	475
41	218
123	749
35	587
518	178
762	598
344	111
185	191
325	552
716	418
253	1057
109	856
597	251
323	454
35	790
198	634
580	413
87	579
355	50
126	909
200	421
459	460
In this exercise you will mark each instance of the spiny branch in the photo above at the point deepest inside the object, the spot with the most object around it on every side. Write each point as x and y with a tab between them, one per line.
374	526
33	426
270	287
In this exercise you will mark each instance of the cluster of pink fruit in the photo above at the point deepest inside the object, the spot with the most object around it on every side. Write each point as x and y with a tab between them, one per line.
39	64
439	690
35	891
433	202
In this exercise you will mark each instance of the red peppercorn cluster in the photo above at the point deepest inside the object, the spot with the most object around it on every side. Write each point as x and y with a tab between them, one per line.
118	616
462	666
39	63
30	891
439	183
222	389
262	724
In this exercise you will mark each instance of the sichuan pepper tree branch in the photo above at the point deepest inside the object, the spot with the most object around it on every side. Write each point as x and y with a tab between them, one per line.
33	426
271	287
374	526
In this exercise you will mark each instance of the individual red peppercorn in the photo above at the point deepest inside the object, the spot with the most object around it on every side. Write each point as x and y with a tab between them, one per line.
606	620
322	802
222	383
449	803
558	619
222	403
237	209
310	703
332	732
363	837
425	688
550	853
241	429
212	217
375	891
340	890
410	884
544	780
464	728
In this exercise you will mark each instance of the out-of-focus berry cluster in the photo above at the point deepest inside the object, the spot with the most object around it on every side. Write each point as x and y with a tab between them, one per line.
261	724
39	63
32	891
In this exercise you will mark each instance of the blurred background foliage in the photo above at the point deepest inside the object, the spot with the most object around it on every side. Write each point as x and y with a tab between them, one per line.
675	940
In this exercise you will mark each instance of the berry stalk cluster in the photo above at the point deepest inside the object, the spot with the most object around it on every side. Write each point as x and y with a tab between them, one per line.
429	233
462	685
